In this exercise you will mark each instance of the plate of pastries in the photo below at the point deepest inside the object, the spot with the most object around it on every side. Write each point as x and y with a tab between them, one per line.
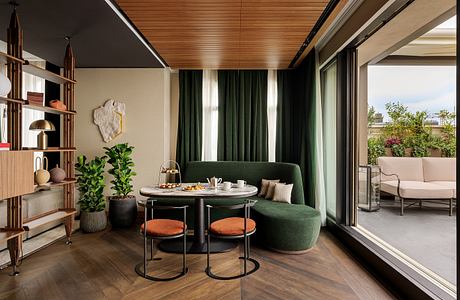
169	185
194	188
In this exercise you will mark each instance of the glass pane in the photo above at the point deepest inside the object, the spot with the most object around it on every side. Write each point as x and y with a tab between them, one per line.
329	103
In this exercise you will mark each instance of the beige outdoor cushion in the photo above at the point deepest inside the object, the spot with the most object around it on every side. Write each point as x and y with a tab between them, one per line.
449	184
417	190
439	169
264	186
282	192
407	168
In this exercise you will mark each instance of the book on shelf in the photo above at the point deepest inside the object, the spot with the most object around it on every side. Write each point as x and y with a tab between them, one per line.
4	146
34	98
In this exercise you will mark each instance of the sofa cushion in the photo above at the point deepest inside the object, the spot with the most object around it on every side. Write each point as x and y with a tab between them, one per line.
407	168
449	184
252	172
270	190
417	190
264	186
439	169
282	193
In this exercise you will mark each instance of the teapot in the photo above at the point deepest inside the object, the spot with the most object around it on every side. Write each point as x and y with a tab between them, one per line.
41	174
213	181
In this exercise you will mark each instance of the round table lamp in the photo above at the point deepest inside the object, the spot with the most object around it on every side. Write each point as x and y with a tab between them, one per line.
42	138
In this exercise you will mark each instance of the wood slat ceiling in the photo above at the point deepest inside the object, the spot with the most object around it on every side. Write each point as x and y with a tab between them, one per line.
225	34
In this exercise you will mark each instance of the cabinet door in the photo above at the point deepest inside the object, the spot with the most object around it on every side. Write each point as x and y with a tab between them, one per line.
16	173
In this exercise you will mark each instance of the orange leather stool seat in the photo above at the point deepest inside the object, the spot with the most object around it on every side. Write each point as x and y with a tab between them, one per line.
232	226
164	227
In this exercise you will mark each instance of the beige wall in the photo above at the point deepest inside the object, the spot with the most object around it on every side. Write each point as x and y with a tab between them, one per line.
146	93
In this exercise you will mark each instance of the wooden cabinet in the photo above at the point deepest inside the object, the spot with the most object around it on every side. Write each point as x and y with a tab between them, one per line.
16	173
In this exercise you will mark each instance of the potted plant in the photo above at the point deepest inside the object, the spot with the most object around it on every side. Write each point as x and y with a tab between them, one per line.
122	205
90	179
396	146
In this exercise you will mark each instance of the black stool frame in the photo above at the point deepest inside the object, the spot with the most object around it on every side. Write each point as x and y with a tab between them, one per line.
246	236
141	268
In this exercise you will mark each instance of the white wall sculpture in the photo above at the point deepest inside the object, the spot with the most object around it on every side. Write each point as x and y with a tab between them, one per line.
109	119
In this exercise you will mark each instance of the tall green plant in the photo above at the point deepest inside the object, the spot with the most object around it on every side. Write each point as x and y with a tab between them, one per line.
90	179
122	169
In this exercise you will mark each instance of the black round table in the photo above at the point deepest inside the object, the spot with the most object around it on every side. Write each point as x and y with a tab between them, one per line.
197	244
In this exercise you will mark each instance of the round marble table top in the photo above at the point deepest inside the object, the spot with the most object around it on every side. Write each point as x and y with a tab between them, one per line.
234	192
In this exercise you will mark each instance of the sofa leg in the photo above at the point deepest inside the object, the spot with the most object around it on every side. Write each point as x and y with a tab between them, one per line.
401	199
420	203
450	206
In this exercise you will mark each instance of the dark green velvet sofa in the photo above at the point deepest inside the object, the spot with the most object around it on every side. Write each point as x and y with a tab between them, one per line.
289	228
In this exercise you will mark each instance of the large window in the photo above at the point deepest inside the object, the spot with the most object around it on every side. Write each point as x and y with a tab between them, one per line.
329	116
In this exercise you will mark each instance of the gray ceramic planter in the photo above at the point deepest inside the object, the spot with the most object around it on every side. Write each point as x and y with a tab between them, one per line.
93	221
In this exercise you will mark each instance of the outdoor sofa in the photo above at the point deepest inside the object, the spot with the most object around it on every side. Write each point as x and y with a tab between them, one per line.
288	228
419	178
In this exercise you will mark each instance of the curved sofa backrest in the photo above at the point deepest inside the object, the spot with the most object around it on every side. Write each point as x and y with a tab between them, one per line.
252	172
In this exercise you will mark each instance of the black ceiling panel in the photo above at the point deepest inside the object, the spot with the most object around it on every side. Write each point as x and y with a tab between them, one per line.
100	39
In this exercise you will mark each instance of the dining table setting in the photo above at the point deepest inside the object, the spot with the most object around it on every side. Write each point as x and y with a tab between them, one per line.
214	188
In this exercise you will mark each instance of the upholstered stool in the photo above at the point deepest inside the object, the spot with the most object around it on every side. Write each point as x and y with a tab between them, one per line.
232	228
162	229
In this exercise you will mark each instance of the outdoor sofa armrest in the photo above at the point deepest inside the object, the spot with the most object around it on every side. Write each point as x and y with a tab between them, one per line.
397	177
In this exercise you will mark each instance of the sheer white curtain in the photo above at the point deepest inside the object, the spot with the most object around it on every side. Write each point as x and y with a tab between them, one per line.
31	83
210	115
272	102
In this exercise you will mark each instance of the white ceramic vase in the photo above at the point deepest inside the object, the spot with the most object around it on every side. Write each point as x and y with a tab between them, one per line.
5	85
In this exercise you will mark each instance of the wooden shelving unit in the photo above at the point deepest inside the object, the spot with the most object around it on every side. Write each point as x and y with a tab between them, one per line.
50	110
6	58
16	66
50	185
5	100
48	75
51	149
7	234
54	215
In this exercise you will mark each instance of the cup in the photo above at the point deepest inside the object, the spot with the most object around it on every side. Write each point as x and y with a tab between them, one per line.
227	185
240	183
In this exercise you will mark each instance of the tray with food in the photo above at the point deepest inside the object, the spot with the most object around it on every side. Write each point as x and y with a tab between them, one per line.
169	170
194	188
168	185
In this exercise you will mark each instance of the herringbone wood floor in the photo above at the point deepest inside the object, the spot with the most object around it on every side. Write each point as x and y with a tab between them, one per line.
101	266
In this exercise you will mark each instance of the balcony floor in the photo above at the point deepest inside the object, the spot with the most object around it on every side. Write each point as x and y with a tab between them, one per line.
425	234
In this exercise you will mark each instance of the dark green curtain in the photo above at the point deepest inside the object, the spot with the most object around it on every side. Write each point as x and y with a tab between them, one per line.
190	117
243	131
295	134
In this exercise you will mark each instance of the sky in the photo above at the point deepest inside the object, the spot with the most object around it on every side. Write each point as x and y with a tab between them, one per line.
429	88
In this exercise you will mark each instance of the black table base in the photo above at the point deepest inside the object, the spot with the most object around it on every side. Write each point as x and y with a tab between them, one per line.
217	246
